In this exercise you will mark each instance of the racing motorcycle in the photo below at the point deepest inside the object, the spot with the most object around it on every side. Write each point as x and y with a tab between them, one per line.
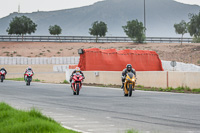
28	77
129	84
2	75
77	84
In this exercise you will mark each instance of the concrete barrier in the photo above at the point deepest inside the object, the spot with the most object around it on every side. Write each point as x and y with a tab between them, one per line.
189	79
148	79
44	73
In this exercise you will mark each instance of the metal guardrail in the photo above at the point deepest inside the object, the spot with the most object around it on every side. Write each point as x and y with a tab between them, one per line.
14	38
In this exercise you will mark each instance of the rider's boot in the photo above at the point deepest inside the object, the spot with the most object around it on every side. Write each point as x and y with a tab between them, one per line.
122	87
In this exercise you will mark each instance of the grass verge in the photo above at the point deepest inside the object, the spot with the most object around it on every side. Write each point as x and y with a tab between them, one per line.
18	121
22	79
132	131
65	82
140	87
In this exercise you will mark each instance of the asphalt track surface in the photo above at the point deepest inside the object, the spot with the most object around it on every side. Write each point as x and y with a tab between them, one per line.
106	110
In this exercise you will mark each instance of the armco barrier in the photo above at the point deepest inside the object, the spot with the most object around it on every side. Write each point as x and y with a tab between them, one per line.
30	38
38	60
147	79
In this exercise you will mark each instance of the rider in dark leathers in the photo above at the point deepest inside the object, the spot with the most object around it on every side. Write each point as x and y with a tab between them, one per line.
125	71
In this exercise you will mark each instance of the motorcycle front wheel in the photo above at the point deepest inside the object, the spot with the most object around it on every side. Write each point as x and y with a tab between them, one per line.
77	89
130	90
2	78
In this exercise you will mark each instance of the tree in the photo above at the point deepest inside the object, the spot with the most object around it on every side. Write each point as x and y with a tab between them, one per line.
98	29
55	30
181	28
21	26
194	26
135	30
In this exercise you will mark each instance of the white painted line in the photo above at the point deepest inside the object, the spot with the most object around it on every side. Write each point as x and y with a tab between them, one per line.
90	130
48	112
62	119
85	122
62	116
90	126
111	125
108	117
77	130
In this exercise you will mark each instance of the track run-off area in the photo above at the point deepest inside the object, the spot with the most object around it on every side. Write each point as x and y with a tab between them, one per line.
106	110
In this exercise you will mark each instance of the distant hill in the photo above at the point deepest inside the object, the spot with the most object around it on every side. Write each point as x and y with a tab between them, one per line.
161	16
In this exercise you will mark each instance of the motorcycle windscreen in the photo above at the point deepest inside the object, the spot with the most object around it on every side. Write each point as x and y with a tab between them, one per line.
130	75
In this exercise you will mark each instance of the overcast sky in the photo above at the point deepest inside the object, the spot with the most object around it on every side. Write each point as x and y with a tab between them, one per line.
10	6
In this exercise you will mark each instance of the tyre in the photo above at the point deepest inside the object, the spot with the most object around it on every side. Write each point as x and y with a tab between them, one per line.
125	94
130	90
77	89
2	78
74	93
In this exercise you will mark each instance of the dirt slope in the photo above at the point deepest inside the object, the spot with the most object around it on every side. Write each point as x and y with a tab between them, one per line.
188	53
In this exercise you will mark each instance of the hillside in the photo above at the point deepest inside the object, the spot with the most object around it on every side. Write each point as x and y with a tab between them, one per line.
161	16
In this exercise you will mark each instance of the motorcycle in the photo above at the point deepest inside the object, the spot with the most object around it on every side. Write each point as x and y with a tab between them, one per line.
129	84
28	77
77	84
2	75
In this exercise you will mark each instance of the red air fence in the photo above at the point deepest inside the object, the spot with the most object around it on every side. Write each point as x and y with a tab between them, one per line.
95	59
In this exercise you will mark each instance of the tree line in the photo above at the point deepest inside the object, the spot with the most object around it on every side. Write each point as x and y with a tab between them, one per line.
24	25
192	27
133	29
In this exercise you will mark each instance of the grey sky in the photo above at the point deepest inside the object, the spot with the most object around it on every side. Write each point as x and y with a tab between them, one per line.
10	6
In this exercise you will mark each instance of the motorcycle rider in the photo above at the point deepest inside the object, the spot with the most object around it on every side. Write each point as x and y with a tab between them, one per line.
125	71
28	69
3	69
77	69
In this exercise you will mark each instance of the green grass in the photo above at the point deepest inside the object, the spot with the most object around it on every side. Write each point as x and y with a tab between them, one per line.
16	79
132	131
170	89
18	121
36	80
140	86
22	79
65	82
196	90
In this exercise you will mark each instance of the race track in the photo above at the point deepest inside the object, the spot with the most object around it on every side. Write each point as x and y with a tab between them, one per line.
106	110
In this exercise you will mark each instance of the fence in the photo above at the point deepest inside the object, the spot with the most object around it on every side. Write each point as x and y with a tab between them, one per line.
14	38
39	60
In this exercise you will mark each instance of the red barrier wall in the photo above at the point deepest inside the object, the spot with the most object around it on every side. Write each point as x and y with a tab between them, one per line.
95	59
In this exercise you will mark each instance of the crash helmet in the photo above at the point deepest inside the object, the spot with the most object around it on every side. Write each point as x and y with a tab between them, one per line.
29	68
129	67
2	68
77	69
